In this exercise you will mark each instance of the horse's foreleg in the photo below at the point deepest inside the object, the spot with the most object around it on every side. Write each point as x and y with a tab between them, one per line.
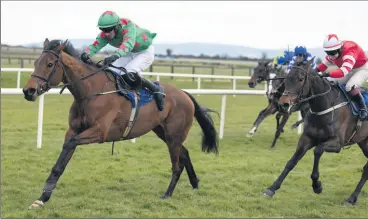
304	144
295	125
92	135
279	127
316	184
303	111
271	109
354	196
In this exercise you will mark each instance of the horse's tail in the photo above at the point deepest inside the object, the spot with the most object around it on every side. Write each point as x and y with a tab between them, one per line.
209	137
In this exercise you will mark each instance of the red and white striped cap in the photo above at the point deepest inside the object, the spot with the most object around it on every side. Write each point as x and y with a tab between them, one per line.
331	42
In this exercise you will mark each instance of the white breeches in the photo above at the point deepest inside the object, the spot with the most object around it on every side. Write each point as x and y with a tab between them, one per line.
356	77
136	61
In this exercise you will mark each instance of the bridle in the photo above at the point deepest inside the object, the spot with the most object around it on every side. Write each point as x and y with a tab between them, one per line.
42	88
268	79
46	85
300	97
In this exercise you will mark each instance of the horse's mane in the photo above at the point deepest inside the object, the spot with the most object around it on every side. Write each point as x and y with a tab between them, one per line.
313	72
280	72
70	50
310	70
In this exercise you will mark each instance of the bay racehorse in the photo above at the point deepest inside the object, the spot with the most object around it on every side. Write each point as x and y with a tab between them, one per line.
331	123
100	113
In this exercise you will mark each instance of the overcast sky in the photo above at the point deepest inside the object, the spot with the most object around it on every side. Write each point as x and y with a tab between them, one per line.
259	24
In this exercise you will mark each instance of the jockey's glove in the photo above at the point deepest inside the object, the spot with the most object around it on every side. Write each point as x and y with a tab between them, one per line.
85	57
111	59
323	74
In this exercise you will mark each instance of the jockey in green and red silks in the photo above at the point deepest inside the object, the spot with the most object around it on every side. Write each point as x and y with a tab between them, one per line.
135	51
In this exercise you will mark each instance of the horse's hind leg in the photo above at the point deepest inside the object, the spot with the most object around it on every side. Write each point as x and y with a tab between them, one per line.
174	139
175	149
184	158
354	196
193	179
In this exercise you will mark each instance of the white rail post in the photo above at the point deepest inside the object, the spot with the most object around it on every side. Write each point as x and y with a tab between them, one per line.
301	125
265	89
222	119
41	102
198	84
158	78
18	80
234	86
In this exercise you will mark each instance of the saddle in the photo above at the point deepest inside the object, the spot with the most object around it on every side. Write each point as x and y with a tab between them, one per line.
353	105
137	96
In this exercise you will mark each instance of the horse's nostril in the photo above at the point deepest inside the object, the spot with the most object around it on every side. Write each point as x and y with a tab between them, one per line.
29	91
284	105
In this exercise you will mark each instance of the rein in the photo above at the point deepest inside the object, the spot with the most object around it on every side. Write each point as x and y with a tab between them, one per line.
300	94
268	79
46	85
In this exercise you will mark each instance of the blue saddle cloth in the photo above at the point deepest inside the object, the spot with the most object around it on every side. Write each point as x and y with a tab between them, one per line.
353	105
145	95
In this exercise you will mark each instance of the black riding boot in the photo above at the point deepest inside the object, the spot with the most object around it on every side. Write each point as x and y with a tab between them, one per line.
157	91
363	112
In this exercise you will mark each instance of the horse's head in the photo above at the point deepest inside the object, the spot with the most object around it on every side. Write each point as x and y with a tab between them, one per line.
48	70
260	73
297	85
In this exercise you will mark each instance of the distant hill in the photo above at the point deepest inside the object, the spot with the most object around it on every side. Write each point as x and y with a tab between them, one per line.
200	48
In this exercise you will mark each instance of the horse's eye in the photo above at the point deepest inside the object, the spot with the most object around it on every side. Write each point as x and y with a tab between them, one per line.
301	79
49	65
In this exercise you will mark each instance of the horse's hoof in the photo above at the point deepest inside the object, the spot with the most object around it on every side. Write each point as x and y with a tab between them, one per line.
165	196
195	185
349	203
318	189
251	132
268	192
36	204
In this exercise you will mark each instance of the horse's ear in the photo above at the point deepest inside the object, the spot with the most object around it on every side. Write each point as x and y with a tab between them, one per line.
309	63
62	46
46	43
267	62
65	43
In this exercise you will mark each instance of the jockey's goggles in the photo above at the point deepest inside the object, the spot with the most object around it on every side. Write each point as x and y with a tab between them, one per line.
331	53
107	29
300	55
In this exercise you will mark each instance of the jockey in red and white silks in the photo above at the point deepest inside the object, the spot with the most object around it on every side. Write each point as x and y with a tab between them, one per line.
353	67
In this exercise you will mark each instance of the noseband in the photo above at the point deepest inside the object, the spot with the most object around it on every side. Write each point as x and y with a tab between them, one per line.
46	85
